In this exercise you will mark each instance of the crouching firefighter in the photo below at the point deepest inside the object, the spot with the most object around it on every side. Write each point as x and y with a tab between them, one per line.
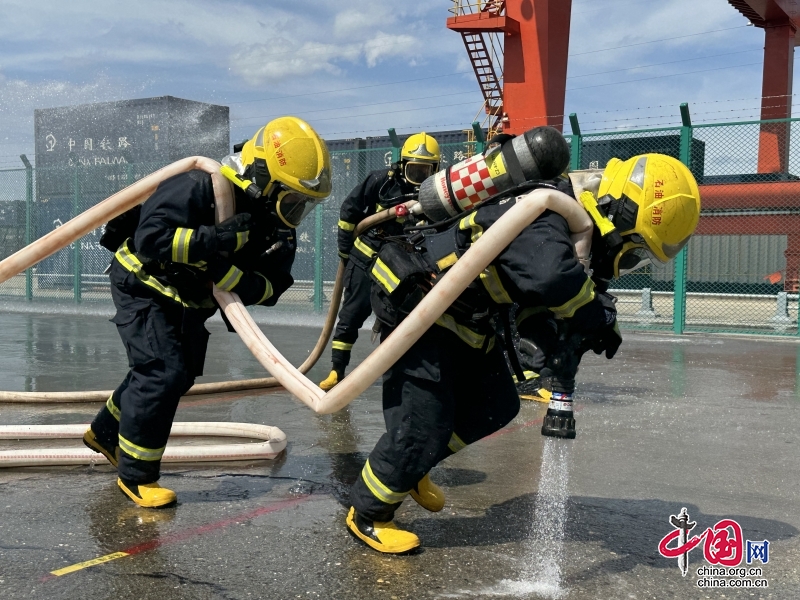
453	386
168	252
382	189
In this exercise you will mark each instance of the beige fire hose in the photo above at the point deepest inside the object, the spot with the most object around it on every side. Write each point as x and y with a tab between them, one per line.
482	252
273	442
494	240
116	205
526	209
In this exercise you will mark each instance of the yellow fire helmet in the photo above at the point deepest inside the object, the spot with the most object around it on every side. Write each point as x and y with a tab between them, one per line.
652	201
290	163
420	157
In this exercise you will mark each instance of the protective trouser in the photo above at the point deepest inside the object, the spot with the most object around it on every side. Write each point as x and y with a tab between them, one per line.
441	396
356	309
166	345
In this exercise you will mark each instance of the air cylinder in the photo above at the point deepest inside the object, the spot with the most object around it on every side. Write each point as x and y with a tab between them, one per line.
539	154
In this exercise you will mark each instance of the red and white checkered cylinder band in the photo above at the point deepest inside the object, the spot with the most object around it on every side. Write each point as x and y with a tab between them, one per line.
472	181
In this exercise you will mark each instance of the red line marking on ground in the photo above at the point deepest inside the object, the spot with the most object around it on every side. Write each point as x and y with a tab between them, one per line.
203	529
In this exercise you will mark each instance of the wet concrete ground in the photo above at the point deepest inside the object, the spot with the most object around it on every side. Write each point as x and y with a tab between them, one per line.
706	423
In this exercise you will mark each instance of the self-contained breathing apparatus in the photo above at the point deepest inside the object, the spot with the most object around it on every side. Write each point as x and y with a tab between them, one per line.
407	267
644	209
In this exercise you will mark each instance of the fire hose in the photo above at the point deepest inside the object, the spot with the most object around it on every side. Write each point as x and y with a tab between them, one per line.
273	442
223	387
526	209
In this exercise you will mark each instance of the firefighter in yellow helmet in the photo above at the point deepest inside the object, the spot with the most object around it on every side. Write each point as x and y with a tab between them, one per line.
645	208
167	255
382	189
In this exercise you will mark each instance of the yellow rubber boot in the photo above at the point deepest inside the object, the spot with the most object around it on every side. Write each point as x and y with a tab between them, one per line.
383	537
330	382
428	495
540	395
148	495
110	452
532	389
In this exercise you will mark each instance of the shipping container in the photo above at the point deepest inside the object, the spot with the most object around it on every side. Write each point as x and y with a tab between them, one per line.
106	138
595	153
88	152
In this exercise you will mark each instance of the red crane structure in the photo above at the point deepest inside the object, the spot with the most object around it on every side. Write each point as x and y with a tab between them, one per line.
518	50
780	20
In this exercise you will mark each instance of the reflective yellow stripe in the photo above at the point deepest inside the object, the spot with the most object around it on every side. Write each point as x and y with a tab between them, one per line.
230	279
112	408
267	290
469	223
470	337
528	312
528	376
380	491
364	248
491	281
140	452
341	346
241	239
447	261
456	443
586	295
379	208
346	226
385	276
132	263
180	245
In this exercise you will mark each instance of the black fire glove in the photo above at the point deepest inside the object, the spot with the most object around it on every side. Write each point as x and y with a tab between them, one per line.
221	272
232	233
606	338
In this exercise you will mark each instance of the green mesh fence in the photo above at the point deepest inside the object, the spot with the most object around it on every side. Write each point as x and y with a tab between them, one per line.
645	299
739	272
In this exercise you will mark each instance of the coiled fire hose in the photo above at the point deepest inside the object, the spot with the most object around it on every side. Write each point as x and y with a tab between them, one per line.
526	209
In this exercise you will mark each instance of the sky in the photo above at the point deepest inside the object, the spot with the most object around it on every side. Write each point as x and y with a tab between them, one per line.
354	68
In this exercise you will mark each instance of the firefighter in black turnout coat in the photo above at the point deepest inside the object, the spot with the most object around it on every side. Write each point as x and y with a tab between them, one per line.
453	387
167	256
382	189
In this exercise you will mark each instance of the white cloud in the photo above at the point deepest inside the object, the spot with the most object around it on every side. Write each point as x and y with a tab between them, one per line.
383	45
358	22
279	60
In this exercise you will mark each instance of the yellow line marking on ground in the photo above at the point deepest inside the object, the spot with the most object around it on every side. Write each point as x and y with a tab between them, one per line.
89	563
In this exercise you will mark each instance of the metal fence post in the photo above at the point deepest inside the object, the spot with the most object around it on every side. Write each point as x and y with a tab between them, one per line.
396	145
28	221
679	299
576	143
76	249
318	292
798	316
480	139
